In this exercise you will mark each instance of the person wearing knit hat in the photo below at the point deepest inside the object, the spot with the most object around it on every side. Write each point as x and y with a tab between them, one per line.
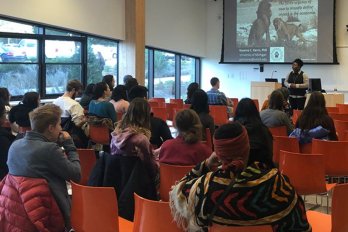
227	189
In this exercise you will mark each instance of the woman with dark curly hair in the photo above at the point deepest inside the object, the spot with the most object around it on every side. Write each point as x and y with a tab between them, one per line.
190	90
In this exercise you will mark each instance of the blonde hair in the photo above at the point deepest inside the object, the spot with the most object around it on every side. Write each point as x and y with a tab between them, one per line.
189	126
43	116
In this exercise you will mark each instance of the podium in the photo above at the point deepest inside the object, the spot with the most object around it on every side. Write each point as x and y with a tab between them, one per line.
261	90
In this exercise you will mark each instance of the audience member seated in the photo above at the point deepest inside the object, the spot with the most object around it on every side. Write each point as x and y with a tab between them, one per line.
119	99
215	97
130	83
6	138
199	104
110	81
274	116
159	129
236	193
5	96
100	106
131	167
87	96
47	152
260	138
314	121
186	149
18	212
19	114
191	88
73	117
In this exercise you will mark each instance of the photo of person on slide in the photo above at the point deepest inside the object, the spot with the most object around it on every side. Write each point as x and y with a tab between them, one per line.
279	29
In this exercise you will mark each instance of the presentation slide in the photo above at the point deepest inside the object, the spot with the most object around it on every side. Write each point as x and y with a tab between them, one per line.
278	31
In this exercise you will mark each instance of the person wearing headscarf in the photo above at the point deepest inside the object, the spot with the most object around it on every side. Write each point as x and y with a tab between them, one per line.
224	189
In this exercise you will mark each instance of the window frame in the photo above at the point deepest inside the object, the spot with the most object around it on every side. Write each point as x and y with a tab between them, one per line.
177	74
41	36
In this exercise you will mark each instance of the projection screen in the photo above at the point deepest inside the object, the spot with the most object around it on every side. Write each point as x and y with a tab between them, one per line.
279	31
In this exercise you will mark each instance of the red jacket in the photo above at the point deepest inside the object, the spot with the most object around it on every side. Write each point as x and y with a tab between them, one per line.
26	204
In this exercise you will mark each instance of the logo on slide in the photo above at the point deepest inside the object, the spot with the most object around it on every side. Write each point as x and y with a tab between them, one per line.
276	54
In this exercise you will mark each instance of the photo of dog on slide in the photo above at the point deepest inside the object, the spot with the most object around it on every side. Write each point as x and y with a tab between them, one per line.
260	26
287	31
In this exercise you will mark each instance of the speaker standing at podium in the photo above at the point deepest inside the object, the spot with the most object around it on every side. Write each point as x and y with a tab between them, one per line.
297	83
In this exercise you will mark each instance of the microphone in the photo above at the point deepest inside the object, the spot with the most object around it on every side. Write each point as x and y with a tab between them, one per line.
273	73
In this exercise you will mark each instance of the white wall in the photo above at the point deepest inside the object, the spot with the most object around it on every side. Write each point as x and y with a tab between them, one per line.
103	17
235	79
176	25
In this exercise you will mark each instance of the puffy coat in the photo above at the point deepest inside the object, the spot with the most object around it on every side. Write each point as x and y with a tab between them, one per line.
26	204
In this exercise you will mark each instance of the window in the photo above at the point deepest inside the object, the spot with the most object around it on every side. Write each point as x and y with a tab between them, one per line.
188	74
102	59
168	74
44	59
164	75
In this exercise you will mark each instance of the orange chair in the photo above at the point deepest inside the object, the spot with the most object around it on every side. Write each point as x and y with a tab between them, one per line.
295	115
153	104
99	134
95	209
336	156
306	148
235	103
119	116
87	162
306	172
337	222
339	116
278	131
209	140
341	127
170	110
284	143
219	114
169	174
342	108
157	99
220	228
179	103
332	109
256	101
159	112
153	216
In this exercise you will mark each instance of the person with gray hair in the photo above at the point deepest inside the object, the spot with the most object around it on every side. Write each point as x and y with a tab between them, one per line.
47	152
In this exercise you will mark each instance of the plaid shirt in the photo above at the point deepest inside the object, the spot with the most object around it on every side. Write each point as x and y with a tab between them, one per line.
215	97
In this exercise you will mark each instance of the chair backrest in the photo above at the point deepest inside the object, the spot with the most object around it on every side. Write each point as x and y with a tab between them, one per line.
87	162
159	112
234	101
153	104
306	148
284	143
339	208
157	99
170	110
219	114
332	109
179	103
94	209
99	134
339	116
153	216
306	171
342	108
295	115
278	131
169	174
341	127
120	116
336	156
220	228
